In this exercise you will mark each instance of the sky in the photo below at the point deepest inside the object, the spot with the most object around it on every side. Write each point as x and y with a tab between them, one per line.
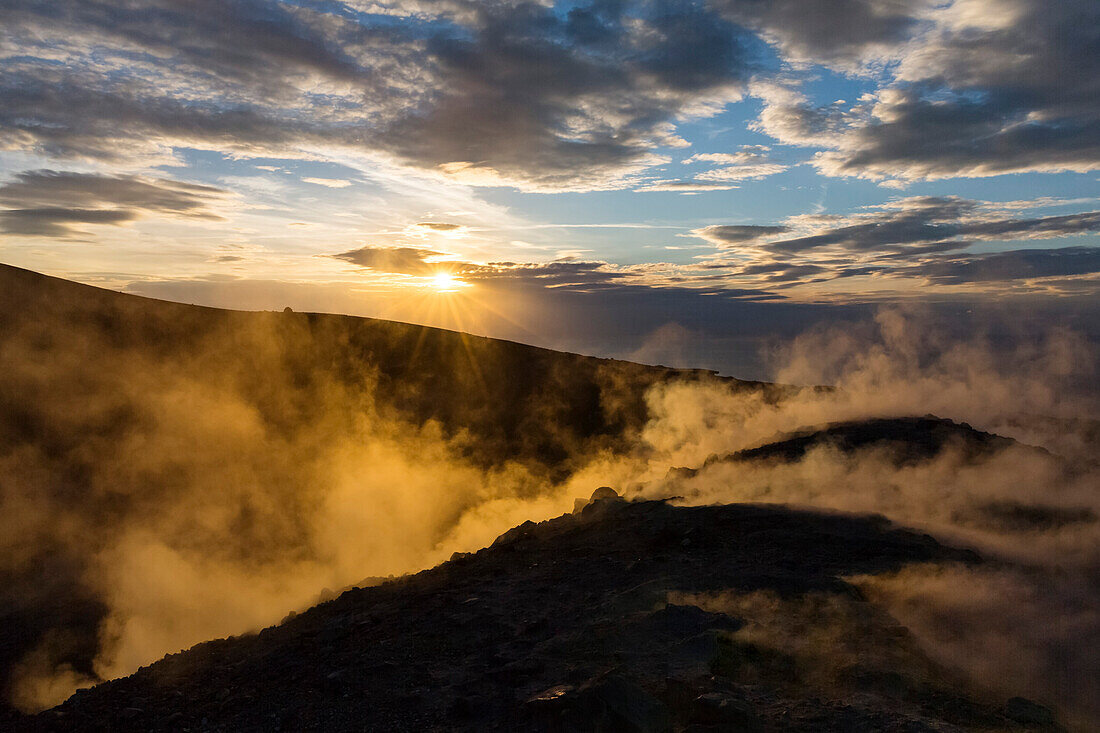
670	181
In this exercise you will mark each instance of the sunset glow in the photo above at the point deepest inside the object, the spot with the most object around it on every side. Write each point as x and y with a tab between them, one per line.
684	163
445	282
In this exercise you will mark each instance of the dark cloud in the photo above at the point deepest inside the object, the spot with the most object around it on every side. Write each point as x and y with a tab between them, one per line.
916	223
1038	228
1021	264
55	222
543	97
827	31
88	189
923	226
733	234
529	95
993	87
46	203
400	260
514	92
905	238
439	226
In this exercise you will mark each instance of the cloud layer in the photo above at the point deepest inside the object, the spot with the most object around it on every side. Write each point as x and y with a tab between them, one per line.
927	237
518	93
49	203
978	88
548	97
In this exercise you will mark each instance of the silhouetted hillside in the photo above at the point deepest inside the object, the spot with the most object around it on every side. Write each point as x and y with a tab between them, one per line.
515	401
905	439
609	619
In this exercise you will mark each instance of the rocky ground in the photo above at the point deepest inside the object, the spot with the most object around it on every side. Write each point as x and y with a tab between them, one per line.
623	616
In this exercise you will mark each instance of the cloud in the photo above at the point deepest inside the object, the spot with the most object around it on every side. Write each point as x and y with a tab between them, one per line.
926	222
695	186
1021	264
907	237
497	93
748	154
555	98
562	274
400	260
742	172
930	239
89	189
46	203
727	234
450	230
990	87
436	226
840	33
660	282
328	182
55	221
751	163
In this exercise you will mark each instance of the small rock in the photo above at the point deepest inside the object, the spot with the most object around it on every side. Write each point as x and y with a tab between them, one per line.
603	493
549	695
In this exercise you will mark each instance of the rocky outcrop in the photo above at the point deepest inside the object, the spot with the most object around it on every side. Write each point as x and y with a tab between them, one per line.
581	623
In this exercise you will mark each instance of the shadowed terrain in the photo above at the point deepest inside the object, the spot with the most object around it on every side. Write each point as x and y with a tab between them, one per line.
171	474
581	623
561	625
515	401
905	440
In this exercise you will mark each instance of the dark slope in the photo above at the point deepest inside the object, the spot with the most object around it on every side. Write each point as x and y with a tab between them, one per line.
515	401
904	440
907	441
567	625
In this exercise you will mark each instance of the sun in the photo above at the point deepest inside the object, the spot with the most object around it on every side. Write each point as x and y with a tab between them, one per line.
445	282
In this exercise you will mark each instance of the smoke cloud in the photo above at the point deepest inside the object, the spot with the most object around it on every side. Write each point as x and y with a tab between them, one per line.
1026	619
193	489
208	490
